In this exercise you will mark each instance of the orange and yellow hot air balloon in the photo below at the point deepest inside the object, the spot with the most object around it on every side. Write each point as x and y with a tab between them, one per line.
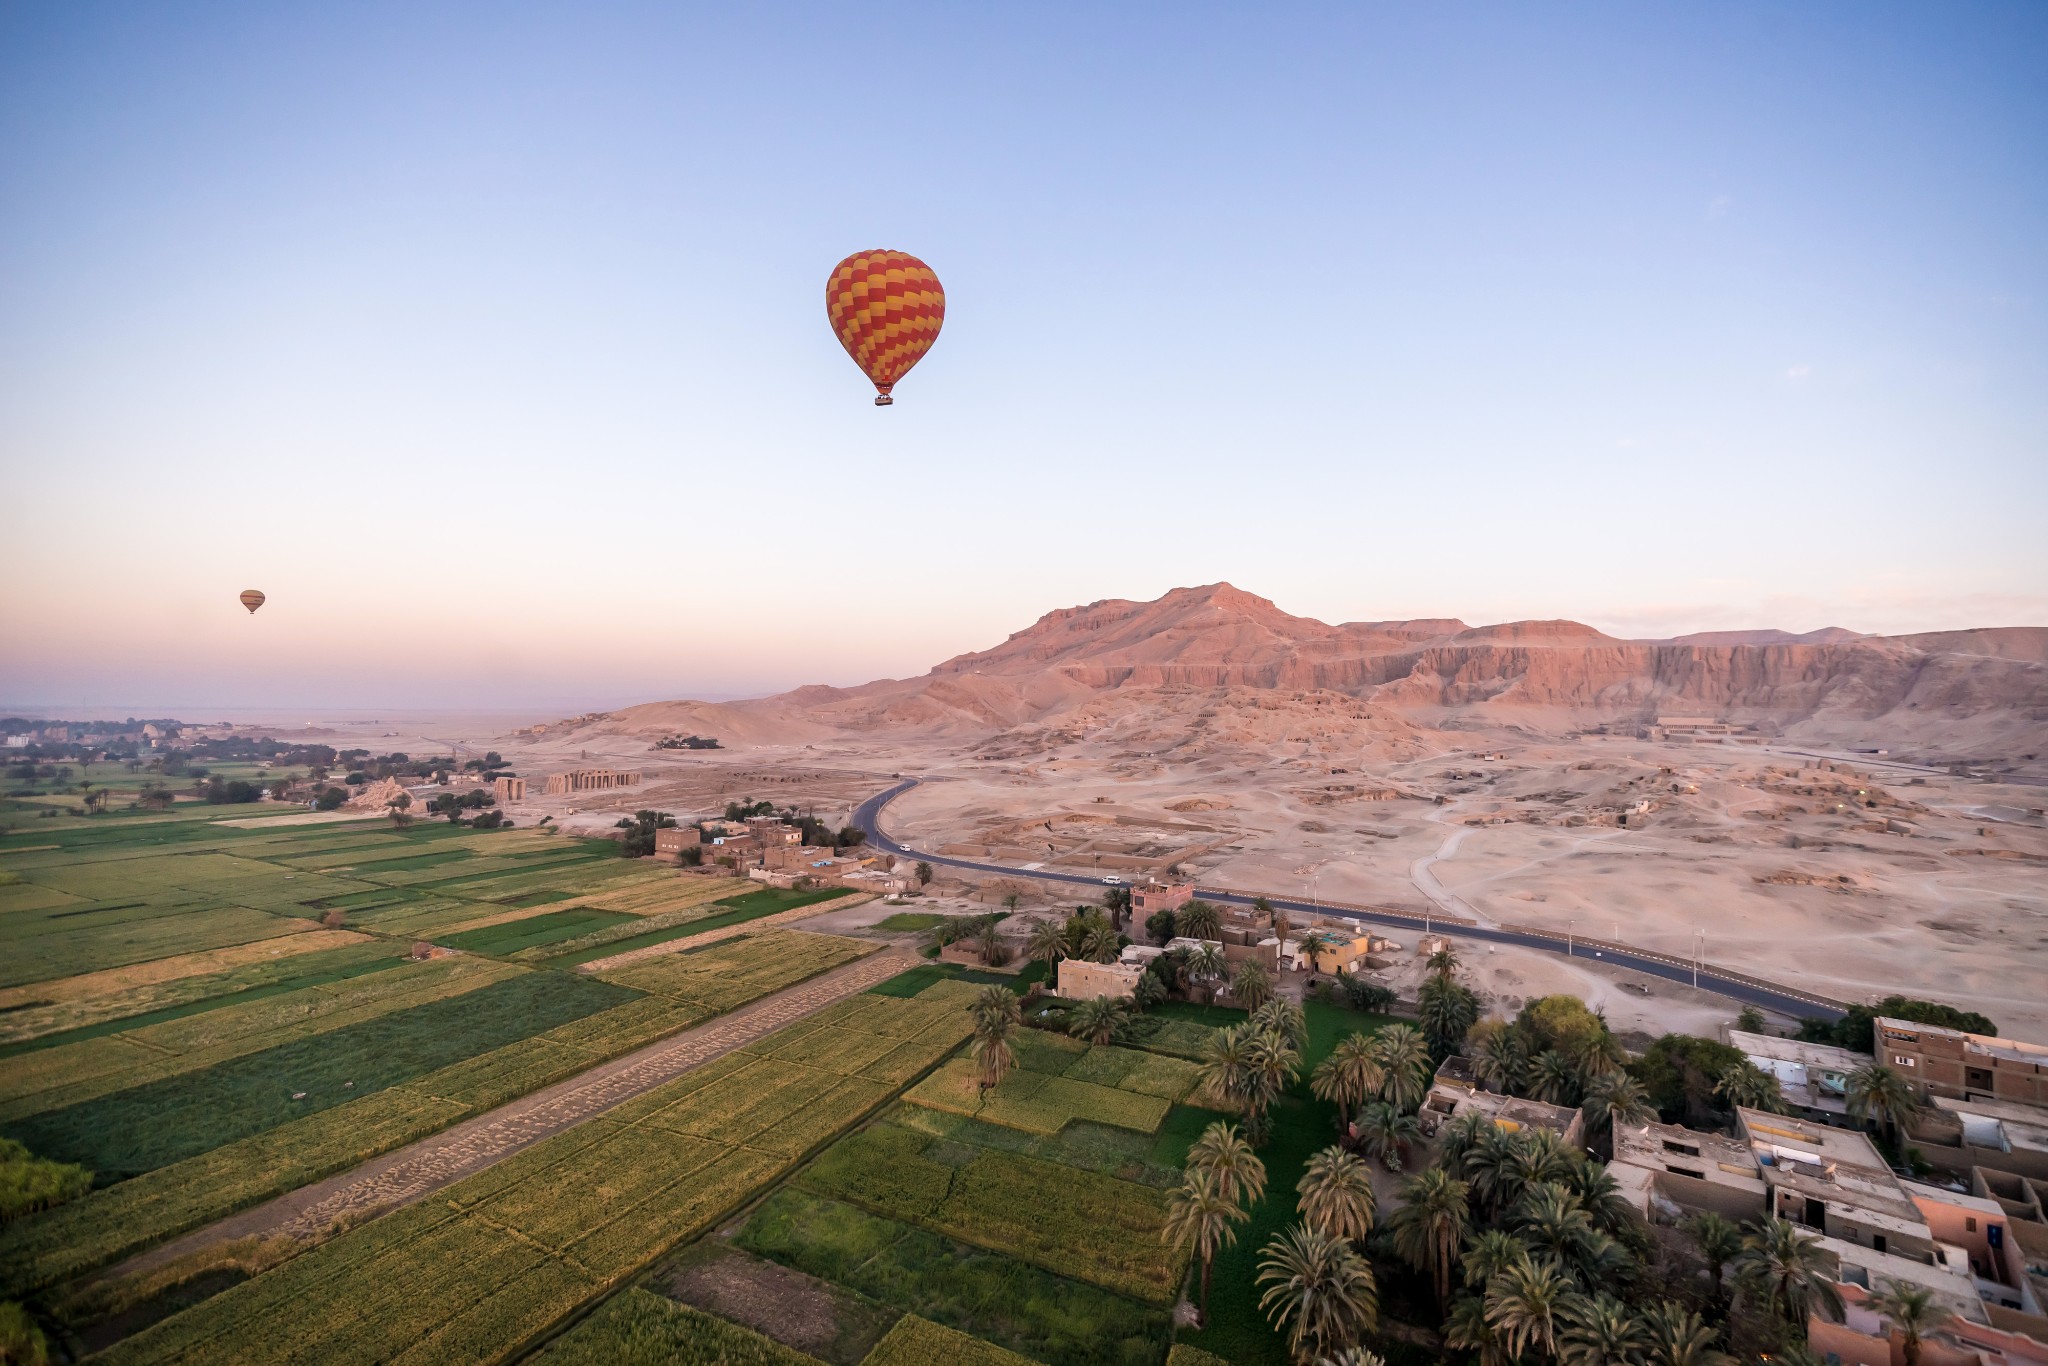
887	308
252	598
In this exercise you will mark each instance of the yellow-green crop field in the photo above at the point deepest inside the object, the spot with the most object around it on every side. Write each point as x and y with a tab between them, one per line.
208	1014
481	1270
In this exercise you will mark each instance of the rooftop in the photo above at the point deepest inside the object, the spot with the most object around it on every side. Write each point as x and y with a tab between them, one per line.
1986	1045
1512	1112
1821	1055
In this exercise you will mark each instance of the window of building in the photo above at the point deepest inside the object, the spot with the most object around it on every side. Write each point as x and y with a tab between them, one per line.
1688	1149
1901	1060
1969	1223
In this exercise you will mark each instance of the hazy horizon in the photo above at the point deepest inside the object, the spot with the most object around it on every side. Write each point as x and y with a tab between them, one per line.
490	343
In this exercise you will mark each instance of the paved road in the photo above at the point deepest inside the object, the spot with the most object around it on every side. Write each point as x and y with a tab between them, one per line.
867	816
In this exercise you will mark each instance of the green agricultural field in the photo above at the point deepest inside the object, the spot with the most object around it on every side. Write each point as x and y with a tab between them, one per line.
140	1128
552	927
988	1294
485	1268
1067	1220
121	1219
920	1342
639	1328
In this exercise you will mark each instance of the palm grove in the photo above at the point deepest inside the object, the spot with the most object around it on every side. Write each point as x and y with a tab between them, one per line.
1510	1245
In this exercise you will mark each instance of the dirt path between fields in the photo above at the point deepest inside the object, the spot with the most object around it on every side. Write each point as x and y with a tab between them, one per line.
413	1172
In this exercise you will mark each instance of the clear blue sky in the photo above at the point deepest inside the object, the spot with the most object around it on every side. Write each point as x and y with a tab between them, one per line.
489	339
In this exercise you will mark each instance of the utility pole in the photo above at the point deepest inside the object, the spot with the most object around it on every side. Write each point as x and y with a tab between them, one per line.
1699	944
1570	927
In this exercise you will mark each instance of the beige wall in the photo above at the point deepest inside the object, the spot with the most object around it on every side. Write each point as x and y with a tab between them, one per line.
1081	981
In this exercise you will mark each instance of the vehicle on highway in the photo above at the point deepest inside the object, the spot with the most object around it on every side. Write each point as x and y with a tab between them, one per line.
1114	881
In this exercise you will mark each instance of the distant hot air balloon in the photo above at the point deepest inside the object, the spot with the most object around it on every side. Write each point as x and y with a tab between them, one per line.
252	598
887	308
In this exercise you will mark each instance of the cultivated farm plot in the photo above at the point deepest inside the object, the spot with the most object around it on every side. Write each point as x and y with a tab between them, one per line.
1059	1081
120	1219
751	965
480	1270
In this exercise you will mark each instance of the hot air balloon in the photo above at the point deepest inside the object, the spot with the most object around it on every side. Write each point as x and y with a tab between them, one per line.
887	308
252	598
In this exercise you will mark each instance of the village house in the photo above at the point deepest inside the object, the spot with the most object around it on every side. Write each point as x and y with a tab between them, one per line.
1949	1062
1811	1076
1081	980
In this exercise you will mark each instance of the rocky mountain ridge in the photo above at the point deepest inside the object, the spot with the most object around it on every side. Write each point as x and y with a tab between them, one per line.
1963	688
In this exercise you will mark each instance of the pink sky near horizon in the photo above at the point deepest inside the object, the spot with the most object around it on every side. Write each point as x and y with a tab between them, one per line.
495	353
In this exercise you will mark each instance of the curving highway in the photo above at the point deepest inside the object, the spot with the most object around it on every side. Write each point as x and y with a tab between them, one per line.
867	817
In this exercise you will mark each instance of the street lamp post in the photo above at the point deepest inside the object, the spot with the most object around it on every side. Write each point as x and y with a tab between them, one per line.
1570	928
1699	944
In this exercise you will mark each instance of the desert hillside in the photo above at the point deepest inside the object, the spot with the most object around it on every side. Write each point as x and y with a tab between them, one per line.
1221	661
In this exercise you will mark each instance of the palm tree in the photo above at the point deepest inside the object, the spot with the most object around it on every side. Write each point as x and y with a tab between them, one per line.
1490	1165
1551	1221
1719	1242
1252	986
1208	966
1099	1020
1429	1227
989	944
1313	946
996	1016
1616	1098
1098	942
1749	1086
1534	1156
1404	1062
1489	1254
1385	1133
1319	1293
1199	1216
1354	1356
1444	962
1461	1135
1877	1092
1350	1074
1227	1069
1274	1063
1600	1331
1786	1268
1600	1195
1285	1018
1047	943
1336	1195
1447	1011
1596	1053
1674	1336
1466	1330
1911	1311
1499	1057
1555	1079
1226	1159
1528	1304
1198	920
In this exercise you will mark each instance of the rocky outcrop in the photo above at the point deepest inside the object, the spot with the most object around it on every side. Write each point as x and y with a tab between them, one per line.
1219	639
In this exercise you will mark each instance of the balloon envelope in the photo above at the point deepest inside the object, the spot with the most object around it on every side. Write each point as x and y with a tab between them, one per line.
886	307
252	598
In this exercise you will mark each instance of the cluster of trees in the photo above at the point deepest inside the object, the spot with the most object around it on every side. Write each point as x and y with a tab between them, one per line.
639	837
687	742
452	804
1858	1029
220	791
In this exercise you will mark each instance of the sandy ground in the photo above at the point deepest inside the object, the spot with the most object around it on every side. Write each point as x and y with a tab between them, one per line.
1846	876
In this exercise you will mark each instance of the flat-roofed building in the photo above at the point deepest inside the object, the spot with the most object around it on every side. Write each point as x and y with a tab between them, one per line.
1667	1172
675	839
1447	1100
1081	980
1150	898
1812	1076
1948	1062
1835	1182
1958	1135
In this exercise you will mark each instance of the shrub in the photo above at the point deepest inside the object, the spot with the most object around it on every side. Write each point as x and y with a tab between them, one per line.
29	1183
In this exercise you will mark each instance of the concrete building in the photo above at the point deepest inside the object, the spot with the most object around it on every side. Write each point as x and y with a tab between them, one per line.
1150	898
1081	980
1340	951
509	790
590	780
1835	1182
1957	1136
1668	1172
1454	1091
1949	1062
674	840
1812	1076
